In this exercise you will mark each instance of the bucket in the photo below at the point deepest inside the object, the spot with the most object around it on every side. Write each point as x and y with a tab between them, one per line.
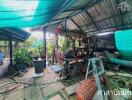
39	66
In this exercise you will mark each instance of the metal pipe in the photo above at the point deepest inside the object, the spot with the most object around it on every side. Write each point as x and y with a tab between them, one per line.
112	59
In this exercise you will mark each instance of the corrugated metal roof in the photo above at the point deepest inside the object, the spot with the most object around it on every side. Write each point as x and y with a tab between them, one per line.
15	34
93	16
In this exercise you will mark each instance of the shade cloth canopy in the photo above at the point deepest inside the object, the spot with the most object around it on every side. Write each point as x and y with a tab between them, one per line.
28	13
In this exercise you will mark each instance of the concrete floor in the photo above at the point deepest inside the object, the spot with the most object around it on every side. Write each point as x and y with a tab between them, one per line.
48	87
40	91
54	91
4	67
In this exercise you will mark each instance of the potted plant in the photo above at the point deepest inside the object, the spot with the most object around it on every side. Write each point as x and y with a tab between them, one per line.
22	58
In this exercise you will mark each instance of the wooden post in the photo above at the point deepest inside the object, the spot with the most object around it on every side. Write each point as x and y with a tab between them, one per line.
44	46
80	40
73	43
57	38
10	44
10	47
67	45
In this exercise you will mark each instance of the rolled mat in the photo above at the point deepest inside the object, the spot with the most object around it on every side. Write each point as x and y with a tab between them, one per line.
87	89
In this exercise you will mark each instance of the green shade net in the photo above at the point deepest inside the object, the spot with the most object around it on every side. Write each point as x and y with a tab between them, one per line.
28	13
123	40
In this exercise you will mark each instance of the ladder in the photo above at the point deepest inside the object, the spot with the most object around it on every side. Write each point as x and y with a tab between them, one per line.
98	69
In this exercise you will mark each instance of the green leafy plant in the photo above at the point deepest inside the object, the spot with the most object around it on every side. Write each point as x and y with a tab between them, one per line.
40	49
64	44
49	50
21	55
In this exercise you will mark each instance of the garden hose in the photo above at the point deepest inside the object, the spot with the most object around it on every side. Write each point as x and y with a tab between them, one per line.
8	85
4	86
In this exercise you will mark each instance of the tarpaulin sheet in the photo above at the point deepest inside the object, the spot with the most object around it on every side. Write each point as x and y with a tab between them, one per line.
28	13
123	41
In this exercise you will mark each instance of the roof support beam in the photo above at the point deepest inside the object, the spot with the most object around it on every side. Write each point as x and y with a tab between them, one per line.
73	9
91	19
60	19
113	28
77	25
73	31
